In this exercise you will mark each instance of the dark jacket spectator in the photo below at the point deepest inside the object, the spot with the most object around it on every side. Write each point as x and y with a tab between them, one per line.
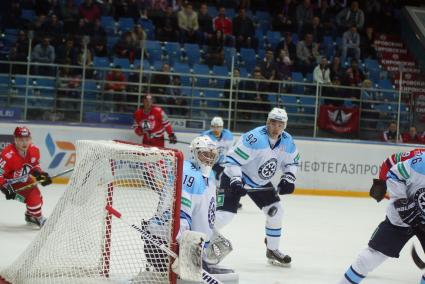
288	45
367	43
411	136
162	80
89	11
283	66
316	29
349	17
98	33
215	52
256	92
69	15
66	53
54	29
19	52
354	76
243	30
336	69
167	26
390	135
205	22
283	16
236	87
304	14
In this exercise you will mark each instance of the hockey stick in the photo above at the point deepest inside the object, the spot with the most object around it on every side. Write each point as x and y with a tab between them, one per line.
259	189
178	142
31	185
416	259
206	277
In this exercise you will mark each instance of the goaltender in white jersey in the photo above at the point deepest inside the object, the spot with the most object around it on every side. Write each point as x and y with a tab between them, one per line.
405	219
251	164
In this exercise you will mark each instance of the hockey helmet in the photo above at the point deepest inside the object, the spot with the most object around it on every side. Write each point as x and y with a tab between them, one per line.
278	114
21	131
217	121
204	154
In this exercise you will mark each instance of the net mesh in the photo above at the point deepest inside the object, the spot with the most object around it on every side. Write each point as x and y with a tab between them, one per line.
82	243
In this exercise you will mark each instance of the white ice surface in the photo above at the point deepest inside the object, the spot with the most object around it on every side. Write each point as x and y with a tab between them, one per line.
323	235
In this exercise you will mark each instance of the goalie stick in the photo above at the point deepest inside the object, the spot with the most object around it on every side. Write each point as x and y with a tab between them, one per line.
206	277
416	259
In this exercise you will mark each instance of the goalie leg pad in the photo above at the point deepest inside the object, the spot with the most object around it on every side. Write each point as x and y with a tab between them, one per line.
218	249
189	263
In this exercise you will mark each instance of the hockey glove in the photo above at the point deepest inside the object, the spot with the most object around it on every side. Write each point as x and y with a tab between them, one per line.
286	184
172	138
8	191
217	170
236	187
42	177
138	130
378	189
409	212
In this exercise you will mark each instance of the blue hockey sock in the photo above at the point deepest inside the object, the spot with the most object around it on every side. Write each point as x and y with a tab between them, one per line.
353	277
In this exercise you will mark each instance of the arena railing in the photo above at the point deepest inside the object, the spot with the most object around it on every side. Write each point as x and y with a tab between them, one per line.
67	93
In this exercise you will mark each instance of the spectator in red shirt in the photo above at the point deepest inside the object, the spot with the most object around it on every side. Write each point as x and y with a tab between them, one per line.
115	86
225	25
89	11
411	136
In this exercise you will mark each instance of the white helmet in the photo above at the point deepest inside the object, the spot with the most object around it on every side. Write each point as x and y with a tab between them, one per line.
217	121
278	114
204	154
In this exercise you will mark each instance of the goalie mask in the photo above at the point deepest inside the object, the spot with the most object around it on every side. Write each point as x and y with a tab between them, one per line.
204	154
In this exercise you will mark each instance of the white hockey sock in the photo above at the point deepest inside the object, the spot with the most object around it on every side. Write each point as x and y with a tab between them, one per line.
222	218
274	214
367	261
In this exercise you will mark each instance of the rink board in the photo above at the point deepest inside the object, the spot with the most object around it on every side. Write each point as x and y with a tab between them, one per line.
328	167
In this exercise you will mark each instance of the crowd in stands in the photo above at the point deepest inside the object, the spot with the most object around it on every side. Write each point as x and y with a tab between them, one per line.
325	40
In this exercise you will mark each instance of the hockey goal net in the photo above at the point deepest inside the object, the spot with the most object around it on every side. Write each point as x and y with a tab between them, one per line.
82	243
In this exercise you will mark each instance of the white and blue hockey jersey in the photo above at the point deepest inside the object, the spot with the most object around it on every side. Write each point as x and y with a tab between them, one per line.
198	202
406	180
256	161
223	143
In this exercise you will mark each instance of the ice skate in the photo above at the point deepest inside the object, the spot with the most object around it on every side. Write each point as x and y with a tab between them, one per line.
31	220
275	257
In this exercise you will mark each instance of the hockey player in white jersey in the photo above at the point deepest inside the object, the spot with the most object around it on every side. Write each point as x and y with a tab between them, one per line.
405	218
224	139
252	163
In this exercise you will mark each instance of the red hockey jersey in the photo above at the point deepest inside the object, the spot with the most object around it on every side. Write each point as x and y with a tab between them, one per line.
394	159
152	126
15	169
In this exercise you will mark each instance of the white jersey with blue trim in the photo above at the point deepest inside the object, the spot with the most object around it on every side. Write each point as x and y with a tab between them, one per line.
198	202
256	161
406	180
223	143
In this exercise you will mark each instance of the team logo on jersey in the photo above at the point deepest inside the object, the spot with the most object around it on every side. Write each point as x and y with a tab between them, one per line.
147	124
268	169
211	213
420	199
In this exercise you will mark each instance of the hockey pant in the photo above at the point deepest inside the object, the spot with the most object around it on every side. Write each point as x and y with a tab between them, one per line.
33	201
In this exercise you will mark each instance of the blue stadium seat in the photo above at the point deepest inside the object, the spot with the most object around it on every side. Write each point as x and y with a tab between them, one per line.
220	71
229	52
126	24
230	13
91	90
28	15
387	85
192	52
154	51
183	68
123	62
102	62
108	24
201	69
297	77
149	28
173	51
273	38
212	11
111	41
4	88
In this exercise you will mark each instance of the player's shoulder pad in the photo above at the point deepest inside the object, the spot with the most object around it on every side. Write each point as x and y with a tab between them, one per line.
227	134
288	142
34	150
256	138
193	182
8	152
209	134
417	163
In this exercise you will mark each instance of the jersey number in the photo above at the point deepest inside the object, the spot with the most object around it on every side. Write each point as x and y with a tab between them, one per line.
414	161
188	180
251	139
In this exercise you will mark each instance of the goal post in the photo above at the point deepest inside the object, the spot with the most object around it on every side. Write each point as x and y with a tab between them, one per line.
82	243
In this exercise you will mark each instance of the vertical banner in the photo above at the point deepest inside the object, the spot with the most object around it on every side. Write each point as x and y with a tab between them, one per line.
339	119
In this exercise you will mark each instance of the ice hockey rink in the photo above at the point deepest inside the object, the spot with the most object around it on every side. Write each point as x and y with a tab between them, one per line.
323	235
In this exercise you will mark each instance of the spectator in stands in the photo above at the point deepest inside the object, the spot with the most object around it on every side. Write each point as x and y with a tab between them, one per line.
255	92
100	49
354	76
66	53
138	34
69	14
167	26
335	69
326	18
89	11
307	52
244	31
236	85
82	28
411	136
12	19
288	45
321	73
390	135
368	96
54	29
188	24
283	16
351	43
349	17
268	66
304	15
215	51
98	33
127	47
205	24
45	7
19	52
386	18
315	29
44	53
333	91
37	26
176	98
88	58
160	83
225	25
115	87
283	66
367	43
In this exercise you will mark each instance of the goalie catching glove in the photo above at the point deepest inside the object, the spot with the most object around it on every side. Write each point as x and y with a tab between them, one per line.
8	191
286	184
42	177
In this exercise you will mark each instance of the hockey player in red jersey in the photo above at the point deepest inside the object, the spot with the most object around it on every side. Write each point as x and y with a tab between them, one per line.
151	122
379	187
18	162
